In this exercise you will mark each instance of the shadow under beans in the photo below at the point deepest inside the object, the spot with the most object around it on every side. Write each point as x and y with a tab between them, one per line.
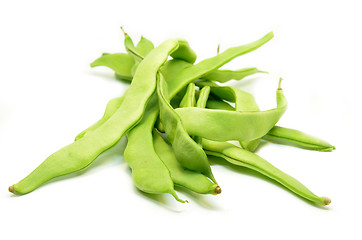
249	172
161	200
196	197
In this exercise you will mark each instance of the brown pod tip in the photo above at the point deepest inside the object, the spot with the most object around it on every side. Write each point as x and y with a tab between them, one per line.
217	190
11	189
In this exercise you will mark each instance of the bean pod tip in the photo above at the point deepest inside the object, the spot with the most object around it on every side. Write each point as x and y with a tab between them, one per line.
11	189
217	190
327	201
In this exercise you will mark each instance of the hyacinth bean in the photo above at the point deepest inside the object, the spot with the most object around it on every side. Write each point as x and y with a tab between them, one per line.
244	158
224	125
80	154
191	180
149	173
297	138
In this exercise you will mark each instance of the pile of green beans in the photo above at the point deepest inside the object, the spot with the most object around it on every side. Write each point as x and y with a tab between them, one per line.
175	115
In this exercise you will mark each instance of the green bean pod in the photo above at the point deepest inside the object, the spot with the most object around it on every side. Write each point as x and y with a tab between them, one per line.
244	101
80	154
282	135
203	96
131	49
149	173
297	138
223	76
187	151
219	104
191	180
144	46
244	158
120	63
224	125
111	108
179	73
189	98
190	73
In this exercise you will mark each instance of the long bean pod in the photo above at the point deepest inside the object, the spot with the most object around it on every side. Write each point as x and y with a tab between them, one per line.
244	158
80	154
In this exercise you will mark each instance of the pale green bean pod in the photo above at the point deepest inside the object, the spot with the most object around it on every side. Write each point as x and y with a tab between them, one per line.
244	158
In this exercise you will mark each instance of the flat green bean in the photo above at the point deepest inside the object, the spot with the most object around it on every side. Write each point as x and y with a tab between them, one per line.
187	151
189	98
149	173
120	63
219	104
282	135
223	125
223	76
144	46
191	180
111	108
244	101
80	154
297	138
203	96
244	158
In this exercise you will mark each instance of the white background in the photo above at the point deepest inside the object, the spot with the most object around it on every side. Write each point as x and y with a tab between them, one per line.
48	94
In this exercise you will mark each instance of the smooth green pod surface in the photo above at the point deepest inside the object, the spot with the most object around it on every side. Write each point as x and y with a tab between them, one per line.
144	46
149	173
179	73
191	180
244	158
189	98
227	75
111	108
80	154
223	125
187	151
120	63
297	138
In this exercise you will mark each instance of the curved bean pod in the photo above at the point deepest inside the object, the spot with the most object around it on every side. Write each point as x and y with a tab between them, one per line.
222	125
149	173
111	108
219	104
189	98
187	151
189	74
203	96
80	154
120	63
144	46
223	76
244	101
297	138
179	73
282	135
191	180
244	158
